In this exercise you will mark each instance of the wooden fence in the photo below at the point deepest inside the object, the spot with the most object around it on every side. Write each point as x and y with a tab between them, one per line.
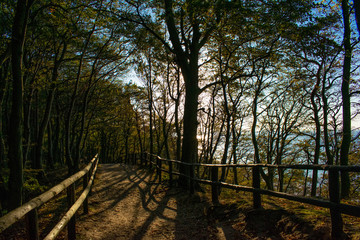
336	208
29	209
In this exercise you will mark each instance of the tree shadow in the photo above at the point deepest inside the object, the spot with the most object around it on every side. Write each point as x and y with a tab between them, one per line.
160	212
187	217
107	192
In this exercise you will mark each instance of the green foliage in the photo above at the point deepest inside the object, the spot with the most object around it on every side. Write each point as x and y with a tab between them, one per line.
35	183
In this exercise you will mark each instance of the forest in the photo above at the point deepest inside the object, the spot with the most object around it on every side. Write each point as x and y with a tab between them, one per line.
201	81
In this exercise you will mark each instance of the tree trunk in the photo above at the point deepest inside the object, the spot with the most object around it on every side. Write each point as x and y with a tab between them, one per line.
329	155
34	127
165	130
253	126
42	129
50	157
177	122
27	132
56	138
47	112
150	96
3	87
73	164
16	117
82	126
346	139
189	143
227	136
317	133
187	60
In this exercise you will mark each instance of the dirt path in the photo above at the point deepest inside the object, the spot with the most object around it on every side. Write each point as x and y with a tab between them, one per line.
127	203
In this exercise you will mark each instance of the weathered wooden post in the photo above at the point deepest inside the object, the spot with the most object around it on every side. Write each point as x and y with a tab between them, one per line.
86	201
71	201
214	185
170	173
91	170
256	185
334	195
191	171
32	225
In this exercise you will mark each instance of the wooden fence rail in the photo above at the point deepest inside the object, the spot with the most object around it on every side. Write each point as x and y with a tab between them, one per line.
336	208
29	209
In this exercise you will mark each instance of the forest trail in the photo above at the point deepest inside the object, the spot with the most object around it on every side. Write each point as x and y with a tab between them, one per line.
128	203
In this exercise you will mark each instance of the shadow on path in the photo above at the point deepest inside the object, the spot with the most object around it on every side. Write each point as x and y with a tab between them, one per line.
128	202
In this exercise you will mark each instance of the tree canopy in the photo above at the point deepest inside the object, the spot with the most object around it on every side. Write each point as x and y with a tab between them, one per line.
215	81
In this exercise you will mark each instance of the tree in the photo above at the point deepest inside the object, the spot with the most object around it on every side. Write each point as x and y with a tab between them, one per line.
15	130
346	106
189	26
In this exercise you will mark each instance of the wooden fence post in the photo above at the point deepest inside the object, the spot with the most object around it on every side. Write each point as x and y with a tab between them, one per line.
214	186
71	201
86	201
334	195
256	185
89	176
170	173
32	225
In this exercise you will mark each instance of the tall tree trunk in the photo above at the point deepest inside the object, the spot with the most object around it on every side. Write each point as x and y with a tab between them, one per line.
87	133
329	155
42	129
176	99
177	122
164	129
16	117
49	103
4	72
27	117
34	126
138	131
253	126
150	96
234	147
346	139
82	126
317	133
189	143
56	137
228	132
188	63
73	164
50	157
